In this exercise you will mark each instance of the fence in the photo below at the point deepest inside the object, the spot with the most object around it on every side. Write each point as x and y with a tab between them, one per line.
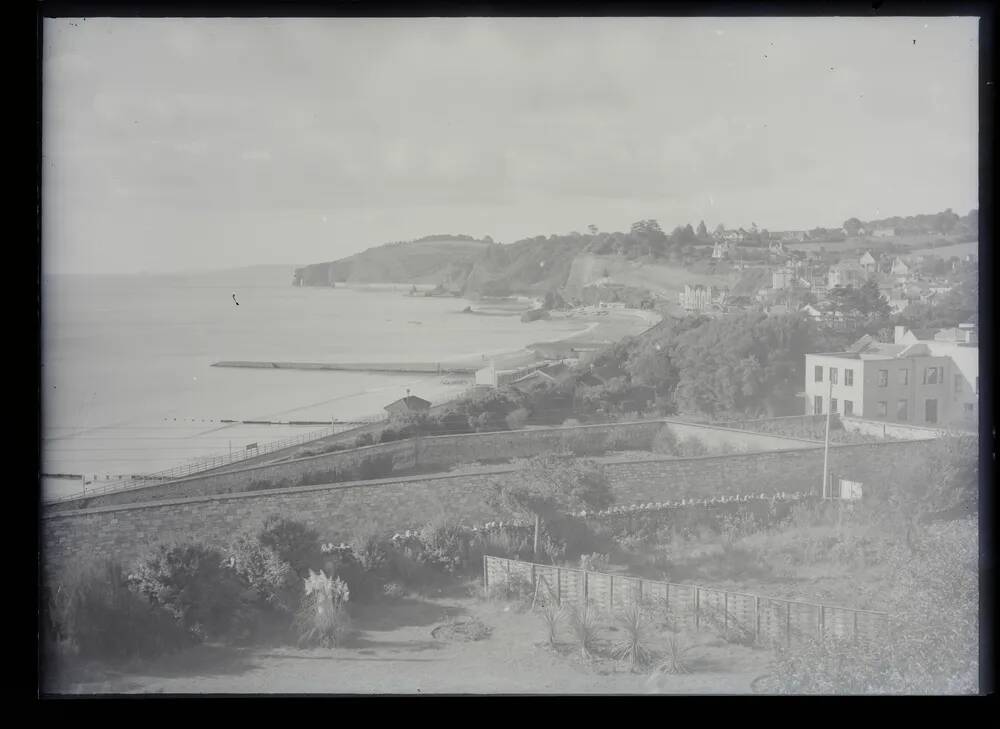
210	463
738	616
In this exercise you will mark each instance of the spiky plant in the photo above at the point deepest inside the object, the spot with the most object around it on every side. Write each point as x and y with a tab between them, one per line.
676	660
552	614
583	621
632	648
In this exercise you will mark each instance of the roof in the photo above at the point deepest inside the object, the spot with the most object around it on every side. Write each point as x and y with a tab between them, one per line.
412	402
607	372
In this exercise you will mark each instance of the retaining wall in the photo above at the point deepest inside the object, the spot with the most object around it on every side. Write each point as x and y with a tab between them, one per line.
338	511
441	452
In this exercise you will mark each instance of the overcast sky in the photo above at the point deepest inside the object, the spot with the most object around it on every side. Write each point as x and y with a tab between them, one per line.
184	144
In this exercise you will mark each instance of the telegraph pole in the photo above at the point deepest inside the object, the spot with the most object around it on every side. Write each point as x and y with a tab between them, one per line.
826	447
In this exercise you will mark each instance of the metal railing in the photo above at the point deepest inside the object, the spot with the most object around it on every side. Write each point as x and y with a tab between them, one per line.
209	463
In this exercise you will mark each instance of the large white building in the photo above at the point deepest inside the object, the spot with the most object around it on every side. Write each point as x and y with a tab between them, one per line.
930	381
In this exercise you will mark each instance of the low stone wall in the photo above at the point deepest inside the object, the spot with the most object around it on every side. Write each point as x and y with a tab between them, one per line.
338	511
894	431
442	452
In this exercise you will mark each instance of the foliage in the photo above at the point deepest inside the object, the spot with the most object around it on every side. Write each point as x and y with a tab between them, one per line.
665	442
517	418
192	583
585	443
272	582
365	439
369	548
293	541
552	616
633	648
91	610
323	619
583	622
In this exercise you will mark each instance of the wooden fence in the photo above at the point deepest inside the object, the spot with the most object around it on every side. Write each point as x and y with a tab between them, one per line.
737	616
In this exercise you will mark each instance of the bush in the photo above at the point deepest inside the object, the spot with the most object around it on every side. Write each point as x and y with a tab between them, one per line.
323	620
365	439
269	578
552	614
691	447
446	545
192	583
369	548
293	542
633	648
388	435
394	590
93	613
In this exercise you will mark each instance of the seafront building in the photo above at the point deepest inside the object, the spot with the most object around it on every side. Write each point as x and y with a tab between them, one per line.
929	379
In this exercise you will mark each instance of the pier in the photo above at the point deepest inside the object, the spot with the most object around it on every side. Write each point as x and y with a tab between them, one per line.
393	368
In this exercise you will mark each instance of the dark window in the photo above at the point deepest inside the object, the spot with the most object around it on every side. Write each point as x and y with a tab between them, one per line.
848	377
883	378
818	373
968	408
930	410
904	377
833	375
833	404
883	409
902	409
958	384
848	406
818	404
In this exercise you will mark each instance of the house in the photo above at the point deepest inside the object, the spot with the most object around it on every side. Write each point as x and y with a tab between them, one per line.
407	405
899	268
700	298
554	373
868	263
923	378
789	236
812	312
601	375
883	232
846	273
720	249
784	277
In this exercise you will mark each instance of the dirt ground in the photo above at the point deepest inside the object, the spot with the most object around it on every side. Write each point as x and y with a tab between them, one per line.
395	651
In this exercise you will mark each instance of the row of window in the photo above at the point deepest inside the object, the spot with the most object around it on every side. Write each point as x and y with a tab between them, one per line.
932	376
882	408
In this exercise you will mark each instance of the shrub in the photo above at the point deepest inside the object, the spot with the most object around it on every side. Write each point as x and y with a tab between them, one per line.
517	588
268	577
552	614
388	435
369	548
633	647
365	439
679	648
691	447
323	619
92	612
594	562
393	590
583	621
446	545
293	541
191	582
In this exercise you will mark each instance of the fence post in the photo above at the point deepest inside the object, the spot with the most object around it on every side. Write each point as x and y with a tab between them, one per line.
788	624
855	632
533	581
725	613
558	585
611	594
697	606
586	588
486	575
641	591
822	626
756	619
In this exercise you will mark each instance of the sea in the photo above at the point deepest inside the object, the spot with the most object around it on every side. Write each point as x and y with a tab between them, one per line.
127	382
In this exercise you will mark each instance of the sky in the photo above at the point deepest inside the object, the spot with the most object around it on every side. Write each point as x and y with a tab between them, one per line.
182	144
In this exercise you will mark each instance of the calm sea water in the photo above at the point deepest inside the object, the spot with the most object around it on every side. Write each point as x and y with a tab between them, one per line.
126	375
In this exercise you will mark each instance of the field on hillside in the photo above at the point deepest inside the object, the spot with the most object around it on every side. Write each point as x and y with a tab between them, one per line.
659	277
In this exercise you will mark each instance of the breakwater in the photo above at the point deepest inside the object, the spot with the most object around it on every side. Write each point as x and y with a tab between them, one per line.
399	368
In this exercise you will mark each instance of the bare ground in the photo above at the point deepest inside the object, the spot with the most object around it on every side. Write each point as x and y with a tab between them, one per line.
395	651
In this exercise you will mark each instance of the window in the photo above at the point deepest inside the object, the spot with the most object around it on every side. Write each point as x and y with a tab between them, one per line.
933	375
848	377
930	410
833	375
968	408
904	377
902	410
883	378
818	374
958	384
848	406
818	404
833	404
883	409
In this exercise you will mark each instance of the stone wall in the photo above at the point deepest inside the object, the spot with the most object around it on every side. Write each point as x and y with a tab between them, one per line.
338	511
441	452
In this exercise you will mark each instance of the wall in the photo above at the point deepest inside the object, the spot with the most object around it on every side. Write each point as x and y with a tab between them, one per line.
437	452
338	511
895	431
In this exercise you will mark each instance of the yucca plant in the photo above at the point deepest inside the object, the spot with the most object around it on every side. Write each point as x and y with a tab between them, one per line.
632	648
583	621
676	660
322	618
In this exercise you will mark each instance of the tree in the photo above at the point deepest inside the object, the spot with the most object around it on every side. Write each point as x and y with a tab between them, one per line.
702	230
852	226
720	229
551	486
592	229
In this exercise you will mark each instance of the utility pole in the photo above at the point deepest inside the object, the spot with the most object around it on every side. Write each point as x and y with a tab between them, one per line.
826	447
